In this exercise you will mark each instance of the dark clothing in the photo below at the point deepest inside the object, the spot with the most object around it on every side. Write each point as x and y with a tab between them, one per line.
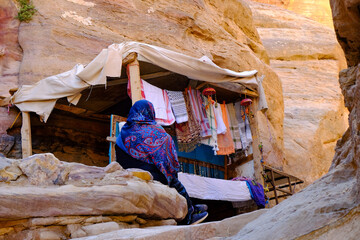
126	161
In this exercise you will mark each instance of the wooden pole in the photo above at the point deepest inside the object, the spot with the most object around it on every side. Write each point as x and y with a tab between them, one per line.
26	135
274	185
134	77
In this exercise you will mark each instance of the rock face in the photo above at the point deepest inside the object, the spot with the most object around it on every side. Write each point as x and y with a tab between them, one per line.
72	31
307	58
347	18
318	10
10	58
42	191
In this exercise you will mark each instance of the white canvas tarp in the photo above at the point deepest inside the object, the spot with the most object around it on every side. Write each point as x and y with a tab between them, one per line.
42	96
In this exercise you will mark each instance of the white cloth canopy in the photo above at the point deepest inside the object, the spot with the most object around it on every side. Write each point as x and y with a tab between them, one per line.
214	189
42	96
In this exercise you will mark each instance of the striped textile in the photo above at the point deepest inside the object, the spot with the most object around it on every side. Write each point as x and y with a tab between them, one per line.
199	112
210	113
234	126
178	105
188	133
225	142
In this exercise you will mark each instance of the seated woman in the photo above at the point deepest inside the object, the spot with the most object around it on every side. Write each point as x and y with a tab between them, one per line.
142	143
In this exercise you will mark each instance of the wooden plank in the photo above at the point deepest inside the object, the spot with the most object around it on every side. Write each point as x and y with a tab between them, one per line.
283	190
73	109
26	145
235	87
135	82
131	57
201	85
274	186
145	77
290	187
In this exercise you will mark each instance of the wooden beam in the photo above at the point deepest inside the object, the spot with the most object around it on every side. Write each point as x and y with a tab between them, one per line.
145	77
26	135
235	87
274	186
131	57
73	109
135	81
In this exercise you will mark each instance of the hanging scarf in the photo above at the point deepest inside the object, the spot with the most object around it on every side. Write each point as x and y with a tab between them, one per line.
221	128
244	126
188	133
143	139
225	142
178	105
199	112
234	125
210	113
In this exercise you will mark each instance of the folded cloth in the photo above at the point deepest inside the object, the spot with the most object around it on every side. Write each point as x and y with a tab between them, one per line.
188	133
256	190
178	105
210	113
244	126
221	128
234	126
199	112
225	142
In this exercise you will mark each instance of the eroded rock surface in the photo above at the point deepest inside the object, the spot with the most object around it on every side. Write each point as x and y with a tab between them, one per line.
43	191
318	10
68	32
307	58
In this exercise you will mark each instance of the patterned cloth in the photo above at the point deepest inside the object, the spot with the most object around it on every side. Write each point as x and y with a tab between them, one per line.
225	142
234	125
178	105
199	112
188	133
143	139
210	113
244	126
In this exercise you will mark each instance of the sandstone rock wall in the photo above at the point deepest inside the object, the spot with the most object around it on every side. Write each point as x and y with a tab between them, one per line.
318	10
10	58
67	32
307	58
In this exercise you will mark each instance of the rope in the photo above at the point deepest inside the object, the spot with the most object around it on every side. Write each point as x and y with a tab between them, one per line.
15	120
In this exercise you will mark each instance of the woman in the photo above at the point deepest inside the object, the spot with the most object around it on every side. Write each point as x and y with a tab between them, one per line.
142	143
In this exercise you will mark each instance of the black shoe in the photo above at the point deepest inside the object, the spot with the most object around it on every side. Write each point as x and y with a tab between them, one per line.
198	208
198	218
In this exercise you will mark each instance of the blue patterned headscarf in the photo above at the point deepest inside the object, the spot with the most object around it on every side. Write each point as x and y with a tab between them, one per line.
145	140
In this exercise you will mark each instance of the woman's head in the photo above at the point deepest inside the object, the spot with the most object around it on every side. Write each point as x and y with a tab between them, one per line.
142	111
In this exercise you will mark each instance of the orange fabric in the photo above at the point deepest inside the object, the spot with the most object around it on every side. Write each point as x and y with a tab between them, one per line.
225	142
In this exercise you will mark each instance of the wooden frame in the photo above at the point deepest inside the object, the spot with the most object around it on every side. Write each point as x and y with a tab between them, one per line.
115	119
280	180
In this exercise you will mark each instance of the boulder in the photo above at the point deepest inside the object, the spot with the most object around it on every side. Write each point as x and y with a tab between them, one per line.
220	229
82	191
